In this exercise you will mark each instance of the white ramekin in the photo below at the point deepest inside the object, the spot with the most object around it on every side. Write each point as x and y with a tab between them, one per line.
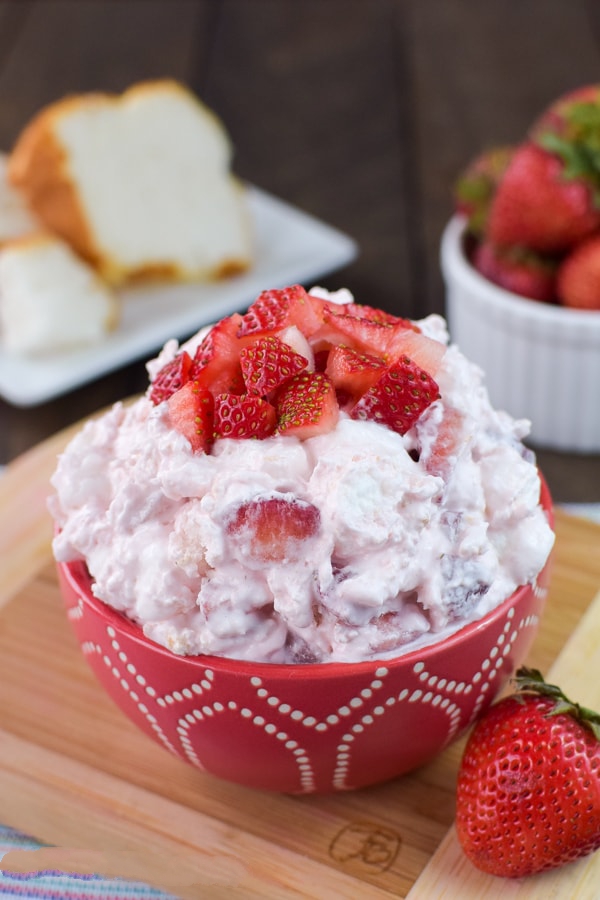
541	362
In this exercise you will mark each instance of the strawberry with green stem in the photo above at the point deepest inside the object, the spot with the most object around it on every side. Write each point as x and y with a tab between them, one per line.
476	185
528	792
549	196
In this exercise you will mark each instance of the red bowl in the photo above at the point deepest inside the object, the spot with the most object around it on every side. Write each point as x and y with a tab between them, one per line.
305	728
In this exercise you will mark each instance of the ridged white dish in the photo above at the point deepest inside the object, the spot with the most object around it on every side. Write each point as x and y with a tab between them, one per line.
541	362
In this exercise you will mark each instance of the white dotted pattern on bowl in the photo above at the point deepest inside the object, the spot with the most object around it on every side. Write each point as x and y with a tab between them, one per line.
436	691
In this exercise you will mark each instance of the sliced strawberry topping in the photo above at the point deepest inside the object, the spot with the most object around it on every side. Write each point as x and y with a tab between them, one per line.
364	335
268	363
293	337
353	372
307	406
191	411
171	377
216	363
277	309
375	315
384	339
275	528
291	363
399	397
442	457
425	352
321	359
243	417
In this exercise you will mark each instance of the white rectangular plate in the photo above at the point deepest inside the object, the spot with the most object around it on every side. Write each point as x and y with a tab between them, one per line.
291	247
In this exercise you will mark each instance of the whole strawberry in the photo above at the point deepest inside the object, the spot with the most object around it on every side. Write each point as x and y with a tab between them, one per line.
549	197
517	269
573	116
578	280
543	204
477	184
528	795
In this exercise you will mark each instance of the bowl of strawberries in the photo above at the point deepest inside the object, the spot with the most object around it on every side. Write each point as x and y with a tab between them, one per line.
521	263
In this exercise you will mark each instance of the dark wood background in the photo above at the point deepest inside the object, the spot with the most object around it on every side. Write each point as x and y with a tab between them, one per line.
361	112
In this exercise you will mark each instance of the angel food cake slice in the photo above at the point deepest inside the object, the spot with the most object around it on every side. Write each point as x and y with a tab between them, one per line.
15	218
313	481
50	299
139	184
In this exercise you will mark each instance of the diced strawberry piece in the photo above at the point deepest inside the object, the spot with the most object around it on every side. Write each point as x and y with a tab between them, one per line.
307	406
321	359
318	304
353	372
442	457
171	377
425	352
243	417
274	529
216	364
191	411
268	363
399	397
374	315
277	309
360	334
293	337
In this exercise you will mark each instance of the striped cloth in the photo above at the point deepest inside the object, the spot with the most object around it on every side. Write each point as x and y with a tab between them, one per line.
53	885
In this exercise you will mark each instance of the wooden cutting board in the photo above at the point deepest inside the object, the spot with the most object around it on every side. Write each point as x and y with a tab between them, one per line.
76	774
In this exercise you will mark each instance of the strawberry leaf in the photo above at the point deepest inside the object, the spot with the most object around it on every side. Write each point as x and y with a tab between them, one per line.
531	681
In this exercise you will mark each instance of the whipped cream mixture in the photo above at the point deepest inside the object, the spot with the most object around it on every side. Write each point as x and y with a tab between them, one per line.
402	539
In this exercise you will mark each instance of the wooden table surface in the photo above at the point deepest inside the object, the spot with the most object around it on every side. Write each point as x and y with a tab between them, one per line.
361	113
